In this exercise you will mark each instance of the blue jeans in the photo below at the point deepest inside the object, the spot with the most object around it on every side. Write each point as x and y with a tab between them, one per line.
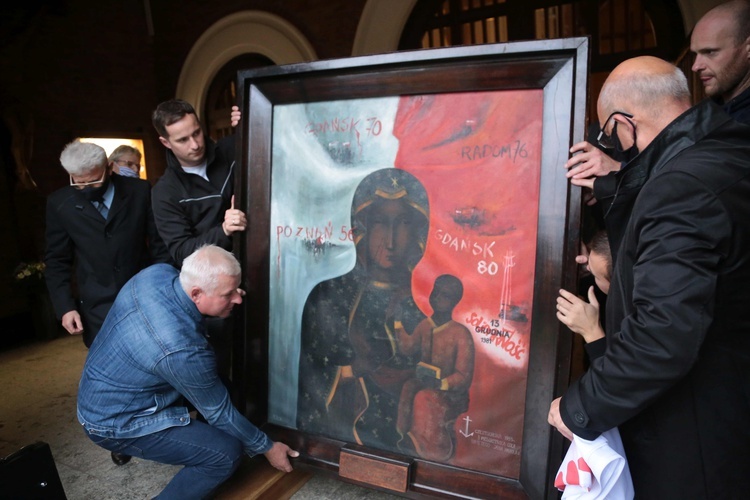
210	456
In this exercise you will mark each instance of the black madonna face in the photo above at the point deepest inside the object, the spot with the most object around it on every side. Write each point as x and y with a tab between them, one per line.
390	232
390	216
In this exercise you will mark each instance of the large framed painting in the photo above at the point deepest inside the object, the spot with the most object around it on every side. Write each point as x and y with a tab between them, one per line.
410	226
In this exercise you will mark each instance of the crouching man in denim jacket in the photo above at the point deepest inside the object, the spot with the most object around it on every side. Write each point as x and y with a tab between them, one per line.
150	353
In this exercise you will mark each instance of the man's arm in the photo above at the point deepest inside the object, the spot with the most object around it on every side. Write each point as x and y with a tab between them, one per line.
682	234
586	165
278	456
58	260
234	220
176	230
589	161
554	419
194	374
157	249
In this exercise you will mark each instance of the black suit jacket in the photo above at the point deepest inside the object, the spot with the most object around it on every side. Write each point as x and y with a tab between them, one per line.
104	254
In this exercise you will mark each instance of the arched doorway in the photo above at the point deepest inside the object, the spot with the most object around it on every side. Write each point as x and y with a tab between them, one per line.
222	94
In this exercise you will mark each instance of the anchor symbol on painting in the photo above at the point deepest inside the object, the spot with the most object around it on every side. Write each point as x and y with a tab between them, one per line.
466	433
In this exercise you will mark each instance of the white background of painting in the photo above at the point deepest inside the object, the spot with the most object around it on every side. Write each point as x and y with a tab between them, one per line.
309	188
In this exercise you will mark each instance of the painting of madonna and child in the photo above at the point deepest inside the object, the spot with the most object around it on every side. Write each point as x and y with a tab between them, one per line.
402	254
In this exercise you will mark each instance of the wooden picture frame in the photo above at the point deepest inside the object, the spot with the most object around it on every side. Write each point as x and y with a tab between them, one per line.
486	131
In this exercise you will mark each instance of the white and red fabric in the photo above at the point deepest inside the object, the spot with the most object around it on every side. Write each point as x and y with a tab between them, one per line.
594	470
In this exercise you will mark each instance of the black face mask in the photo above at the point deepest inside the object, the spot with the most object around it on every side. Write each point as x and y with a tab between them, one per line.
624	155
95	193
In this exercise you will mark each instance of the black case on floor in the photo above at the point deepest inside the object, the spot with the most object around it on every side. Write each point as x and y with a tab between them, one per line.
30	474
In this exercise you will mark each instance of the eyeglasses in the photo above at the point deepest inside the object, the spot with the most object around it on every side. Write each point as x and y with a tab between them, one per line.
129	164
611	141
80	185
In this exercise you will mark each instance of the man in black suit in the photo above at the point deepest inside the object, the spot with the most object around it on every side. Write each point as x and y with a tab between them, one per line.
102	226
675	370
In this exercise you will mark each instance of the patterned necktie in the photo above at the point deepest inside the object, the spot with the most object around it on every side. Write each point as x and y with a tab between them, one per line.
102	209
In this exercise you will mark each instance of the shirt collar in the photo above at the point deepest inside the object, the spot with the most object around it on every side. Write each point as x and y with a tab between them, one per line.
109	194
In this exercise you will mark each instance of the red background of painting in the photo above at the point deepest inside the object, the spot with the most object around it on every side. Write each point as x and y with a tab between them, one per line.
433	131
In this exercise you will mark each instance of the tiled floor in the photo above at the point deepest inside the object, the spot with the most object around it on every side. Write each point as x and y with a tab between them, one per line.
37	403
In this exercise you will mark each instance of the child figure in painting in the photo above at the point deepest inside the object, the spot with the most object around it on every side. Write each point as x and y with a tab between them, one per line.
432	400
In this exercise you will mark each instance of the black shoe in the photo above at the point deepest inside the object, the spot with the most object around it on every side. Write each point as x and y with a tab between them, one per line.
120	458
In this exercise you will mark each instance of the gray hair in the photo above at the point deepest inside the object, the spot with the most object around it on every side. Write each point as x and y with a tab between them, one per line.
80	158
647	90
123	150
203	267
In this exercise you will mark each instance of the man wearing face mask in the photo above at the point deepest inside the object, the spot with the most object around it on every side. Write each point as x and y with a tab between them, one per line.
675	372
102	226
721	44
125	160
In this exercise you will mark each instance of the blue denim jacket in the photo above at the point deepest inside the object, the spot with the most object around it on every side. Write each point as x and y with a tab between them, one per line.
150	351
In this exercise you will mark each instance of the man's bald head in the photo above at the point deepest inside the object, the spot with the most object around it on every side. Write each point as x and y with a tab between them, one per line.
721	44
654	91
733	15
644	84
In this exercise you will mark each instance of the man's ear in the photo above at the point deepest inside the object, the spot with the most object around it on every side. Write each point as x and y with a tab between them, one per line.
195	294
628	123
165	142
